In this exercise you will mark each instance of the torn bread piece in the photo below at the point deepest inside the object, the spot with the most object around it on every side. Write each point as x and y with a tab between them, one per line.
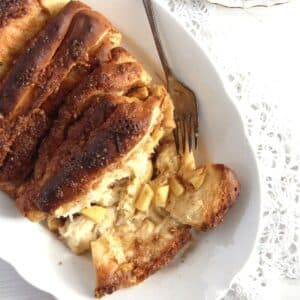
117	200
80	230
206	200
71	45
199	197
129	253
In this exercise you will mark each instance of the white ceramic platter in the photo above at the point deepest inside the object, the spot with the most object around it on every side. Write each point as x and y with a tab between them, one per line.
217	255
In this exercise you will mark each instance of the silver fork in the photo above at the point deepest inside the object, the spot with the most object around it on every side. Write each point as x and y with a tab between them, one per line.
186	107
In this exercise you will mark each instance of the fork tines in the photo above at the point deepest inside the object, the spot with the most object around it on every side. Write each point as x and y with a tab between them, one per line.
186	133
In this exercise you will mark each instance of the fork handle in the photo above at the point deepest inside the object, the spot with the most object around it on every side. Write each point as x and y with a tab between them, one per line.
150	14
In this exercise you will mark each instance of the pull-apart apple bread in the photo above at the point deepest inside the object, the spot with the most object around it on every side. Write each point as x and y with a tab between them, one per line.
86	144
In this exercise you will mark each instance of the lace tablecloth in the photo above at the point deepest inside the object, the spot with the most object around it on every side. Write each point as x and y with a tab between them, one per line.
256	52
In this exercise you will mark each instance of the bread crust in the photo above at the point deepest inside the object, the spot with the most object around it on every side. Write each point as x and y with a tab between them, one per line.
206	207
46	67
12	9
226	193
37	56
151	253
114	77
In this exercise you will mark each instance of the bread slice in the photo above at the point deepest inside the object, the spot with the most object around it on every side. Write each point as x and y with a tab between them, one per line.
209	191
205	207
131	252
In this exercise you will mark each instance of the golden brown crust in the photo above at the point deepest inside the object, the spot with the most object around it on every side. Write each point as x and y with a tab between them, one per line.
18	162
140	271
86	29
111	78
13	9
227	193
16	87
77	162
20	20
41	78
145	256
37	56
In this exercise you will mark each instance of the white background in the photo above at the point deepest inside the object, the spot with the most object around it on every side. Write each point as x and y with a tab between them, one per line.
283	57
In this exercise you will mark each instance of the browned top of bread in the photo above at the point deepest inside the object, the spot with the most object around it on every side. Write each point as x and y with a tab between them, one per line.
114	77
19	22
17	162
37	56
71	45
128	254
104	133
12	9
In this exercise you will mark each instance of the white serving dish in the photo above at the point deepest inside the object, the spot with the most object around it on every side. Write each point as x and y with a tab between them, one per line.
218	255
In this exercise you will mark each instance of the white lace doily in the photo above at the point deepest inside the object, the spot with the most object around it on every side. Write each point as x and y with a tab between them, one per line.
262	98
